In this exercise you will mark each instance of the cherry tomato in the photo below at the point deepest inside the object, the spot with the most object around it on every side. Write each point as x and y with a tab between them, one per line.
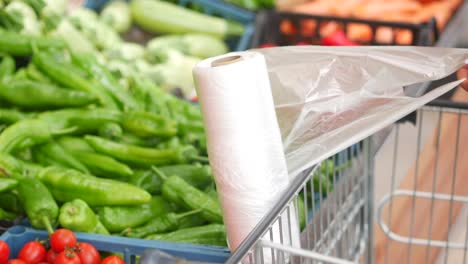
4	252
61	239
51	256
67	257
87	253
32	252
337	38
112	260
17	261
268	45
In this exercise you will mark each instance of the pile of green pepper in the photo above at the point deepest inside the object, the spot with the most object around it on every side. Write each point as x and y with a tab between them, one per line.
82	151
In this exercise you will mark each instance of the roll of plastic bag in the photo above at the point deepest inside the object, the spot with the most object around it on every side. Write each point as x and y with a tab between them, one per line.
244	143
267	122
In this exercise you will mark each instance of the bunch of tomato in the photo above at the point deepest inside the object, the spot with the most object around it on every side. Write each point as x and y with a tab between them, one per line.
64	249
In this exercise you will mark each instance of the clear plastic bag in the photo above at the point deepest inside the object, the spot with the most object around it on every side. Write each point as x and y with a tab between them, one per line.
327	98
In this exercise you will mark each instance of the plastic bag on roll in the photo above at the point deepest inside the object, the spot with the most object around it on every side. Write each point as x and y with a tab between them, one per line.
270	114
327	98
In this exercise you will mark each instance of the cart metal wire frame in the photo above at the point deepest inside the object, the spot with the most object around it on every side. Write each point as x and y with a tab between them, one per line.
340	224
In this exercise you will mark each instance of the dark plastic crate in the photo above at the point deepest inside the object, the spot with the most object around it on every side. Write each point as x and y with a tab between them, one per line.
19	235
212	7
268	24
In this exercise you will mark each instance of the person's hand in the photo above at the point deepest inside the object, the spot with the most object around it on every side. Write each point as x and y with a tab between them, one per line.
463	73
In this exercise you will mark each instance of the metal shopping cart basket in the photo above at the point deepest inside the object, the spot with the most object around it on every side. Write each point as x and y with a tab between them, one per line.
424	196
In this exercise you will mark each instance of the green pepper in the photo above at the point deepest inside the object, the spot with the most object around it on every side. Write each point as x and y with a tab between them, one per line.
55	152
85	120
35	75
7	184
103	166
110	130
148	180
26	133
192	198
160	224
77	216
89	64
37	201
7	215
195	174
146	124
67	75
7	66
74	144
213	234
118	218
11	167
192	221
67	185
10	202
17	44
10	116
142	156
34	95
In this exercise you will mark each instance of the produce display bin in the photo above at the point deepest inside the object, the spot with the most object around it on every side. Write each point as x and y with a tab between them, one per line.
268	29
212	7
19	235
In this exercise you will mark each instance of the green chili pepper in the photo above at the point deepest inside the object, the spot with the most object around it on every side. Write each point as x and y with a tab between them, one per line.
89	64
301	212
142	156
67	185
20	74
7	215
213	234
148	180
192	221
101	165
26	133
17	44
34	95
197	175
77	216
146	124
10	116
66	75
37	201
118	218
110	130
74	144
35	75
192	198
160	224
54	151
7	184
11	167
10	202
7	66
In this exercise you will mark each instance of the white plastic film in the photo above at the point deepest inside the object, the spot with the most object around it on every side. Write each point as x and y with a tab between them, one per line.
323	99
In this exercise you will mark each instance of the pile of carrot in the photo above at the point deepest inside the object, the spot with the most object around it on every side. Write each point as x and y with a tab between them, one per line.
407	11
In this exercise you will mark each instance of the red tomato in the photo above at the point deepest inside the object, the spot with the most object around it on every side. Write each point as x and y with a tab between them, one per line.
67	257
87	253
61	239
32	252
268	45
4	252
337	38
16	261
112	260
51	256
43	263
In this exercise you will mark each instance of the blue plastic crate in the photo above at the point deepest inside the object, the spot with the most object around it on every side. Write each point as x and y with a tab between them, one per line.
212	7
17	236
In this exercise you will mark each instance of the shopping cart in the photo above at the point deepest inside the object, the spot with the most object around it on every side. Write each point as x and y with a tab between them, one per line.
410	224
